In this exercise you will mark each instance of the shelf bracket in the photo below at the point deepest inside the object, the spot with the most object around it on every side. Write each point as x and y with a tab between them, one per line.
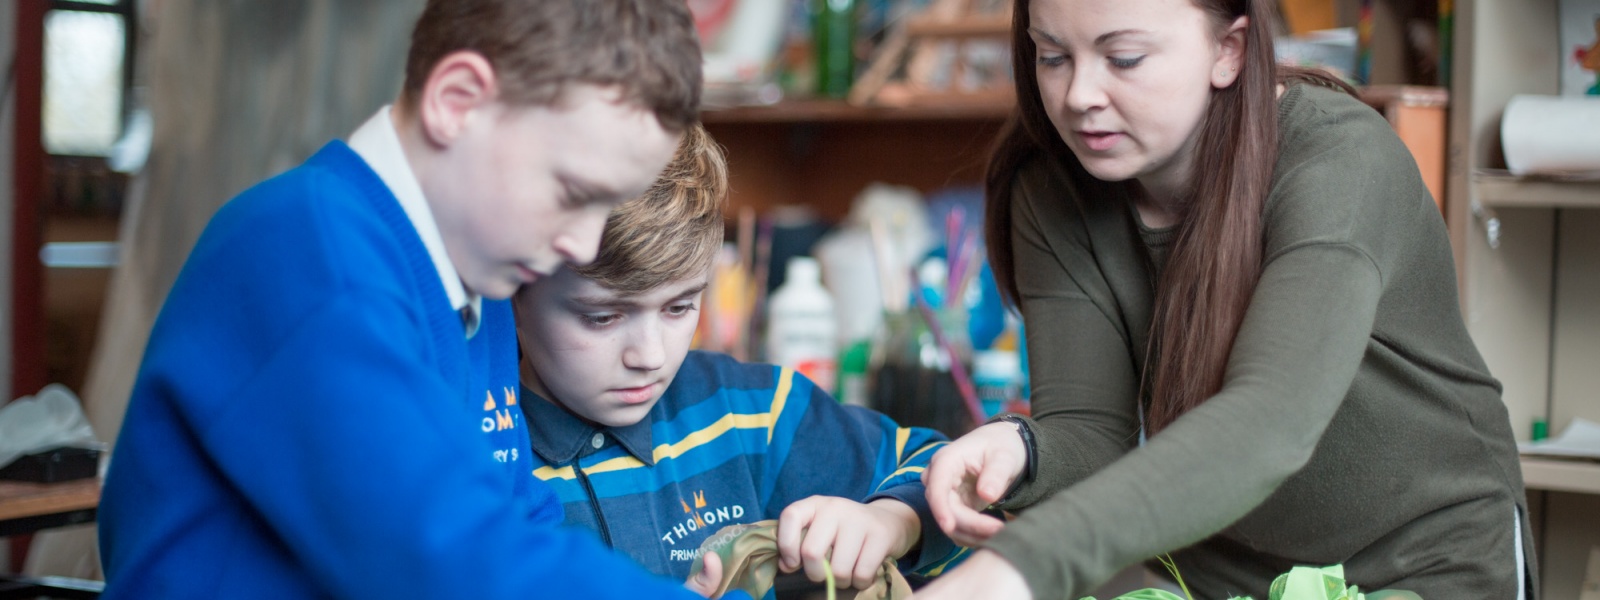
1490	221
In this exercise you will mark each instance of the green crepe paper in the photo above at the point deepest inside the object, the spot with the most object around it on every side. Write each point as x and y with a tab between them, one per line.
1300	583
1146	594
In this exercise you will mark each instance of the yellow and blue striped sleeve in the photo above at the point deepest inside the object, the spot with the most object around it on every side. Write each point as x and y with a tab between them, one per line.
820	447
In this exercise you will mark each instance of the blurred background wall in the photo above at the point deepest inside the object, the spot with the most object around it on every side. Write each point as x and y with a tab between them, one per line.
238	90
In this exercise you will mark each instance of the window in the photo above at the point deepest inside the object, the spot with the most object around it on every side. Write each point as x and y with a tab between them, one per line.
88	59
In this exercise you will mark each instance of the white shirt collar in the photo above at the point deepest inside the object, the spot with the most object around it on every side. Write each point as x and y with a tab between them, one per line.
377	143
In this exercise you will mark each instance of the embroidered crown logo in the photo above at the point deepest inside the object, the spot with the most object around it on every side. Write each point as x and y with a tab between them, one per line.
699	502
502	419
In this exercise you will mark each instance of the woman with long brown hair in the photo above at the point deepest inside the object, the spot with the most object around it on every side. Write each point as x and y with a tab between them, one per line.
1243	329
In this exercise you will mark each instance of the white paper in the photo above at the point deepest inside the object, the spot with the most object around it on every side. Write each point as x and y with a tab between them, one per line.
1581	439
1551	135
35	423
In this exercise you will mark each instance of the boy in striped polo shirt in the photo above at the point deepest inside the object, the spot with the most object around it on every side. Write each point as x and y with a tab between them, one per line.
656	447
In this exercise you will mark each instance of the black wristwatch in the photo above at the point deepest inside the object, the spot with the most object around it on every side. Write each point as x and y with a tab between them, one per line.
1031	469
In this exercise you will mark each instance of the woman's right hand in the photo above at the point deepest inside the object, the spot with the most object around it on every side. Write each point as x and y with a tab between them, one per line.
970	474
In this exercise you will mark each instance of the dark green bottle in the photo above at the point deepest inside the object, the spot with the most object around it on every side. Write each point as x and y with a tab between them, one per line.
833	31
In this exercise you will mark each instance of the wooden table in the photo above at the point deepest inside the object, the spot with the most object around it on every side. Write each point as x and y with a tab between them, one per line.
29	507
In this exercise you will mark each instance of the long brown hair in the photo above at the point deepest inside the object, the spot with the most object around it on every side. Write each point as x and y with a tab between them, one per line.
1215	261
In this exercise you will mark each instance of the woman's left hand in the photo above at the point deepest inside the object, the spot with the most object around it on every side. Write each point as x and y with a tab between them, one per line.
984	575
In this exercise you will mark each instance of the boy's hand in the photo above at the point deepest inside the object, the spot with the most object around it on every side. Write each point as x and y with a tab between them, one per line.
968	475
854	537
706	581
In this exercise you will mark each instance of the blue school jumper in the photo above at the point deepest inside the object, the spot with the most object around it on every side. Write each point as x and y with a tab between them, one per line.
310	421
728	443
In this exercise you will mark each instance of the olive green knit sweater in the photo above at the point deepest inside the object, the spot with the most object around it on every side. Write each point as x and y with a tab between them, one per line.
1357	423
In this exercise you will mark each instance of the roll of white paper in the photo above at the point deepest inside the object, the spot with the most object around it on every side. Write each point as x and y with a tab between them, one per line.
1551	135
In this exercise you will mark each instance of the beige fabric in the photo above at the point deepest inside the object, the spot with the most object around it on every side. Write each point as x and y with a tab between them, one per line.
750	563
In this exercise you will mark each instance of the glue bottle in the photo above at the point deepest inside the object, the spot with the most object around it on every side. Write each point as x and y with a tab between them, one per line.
801	332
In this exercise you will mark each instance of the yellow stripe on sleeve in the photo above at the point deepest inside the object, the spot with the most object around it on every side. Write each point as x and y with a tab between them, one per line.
914	469
932	446
900	436
901	472
785	379
936	570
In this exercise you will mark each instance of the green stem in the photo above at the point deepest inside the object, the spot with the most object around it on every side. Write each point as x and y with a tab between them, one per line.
827	571
1172	567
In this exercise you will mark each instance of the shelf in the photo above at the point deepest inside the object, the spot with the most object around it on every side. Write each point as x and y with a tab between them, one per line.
1379	96
978	109
22	499
1503	190
838	111
1557	475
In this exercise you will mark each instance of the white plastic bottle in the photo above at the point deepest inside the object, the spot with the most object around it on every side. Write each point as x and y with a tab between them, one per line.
801	332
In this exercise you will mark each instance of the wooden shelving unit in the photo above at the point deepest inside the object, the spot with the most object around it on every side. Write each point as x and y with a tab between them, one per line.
21	499
1560	475
1501	189
1381	97
821	153
835	111
1532	300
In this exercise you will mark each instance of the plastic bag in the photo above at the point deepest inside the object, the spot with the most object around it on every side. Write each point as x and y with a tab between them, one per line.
49	419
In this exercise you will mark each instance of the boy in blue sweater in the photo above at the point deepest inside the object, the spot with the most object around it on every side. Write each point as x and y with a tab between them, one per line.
656	447
328	405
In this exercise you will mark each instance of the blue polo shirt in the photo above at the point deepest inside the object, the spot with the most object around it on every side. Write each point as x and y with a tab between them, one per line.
728	443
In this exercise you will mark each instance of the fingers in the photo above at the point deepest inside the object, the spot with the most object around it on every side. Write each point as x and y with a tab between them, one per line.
942	478
709	578
814	548
846	551
975	531
961	504
845	539
873	552
792	524
713	568
964	523
970	474
1000	468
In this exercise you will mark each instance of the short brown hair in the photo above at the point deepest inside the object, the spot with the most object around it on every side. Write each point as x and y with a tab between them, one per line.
674	230
537	47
